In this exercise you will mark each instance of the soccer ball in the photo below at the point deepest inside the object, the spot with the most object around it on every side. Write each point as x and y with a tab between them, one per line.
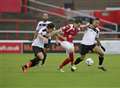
89	61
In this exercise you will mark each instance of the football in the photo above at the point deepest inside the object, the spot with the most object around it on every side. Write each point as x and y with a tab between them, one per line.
89	61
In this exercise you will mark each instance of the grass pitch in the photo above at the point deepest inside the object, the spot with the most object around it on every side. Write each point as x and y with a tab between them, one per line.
48	76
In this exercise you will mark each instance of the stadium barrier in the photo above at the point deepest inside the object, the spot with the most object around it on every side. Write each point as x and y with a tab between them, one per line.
24	46
10	47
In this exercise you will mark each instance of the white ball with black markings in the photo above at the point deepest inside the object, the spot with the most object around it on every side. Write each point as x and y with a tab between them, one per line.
89	61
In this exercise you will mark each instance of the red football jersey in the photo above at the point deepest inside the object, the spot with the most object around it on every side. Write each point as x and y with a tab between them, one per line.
69	31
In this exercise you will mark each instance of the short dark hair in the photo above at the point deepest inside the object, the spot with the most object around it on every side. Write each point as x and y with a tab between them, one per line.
51	25
91	20
77	21
97	18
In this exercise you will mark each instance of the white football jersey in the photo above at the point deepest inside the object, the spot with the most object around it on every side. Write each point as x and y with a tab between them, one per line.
40	29
37	41
90	35
42	25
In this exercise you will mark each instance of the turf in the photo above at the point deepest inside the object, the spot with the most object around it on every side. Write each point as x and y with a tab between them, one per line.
48	76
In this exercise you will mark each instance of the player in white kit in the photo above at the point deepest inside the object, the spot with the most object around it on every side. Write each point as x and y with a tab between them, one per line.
40	26
90	42
41	39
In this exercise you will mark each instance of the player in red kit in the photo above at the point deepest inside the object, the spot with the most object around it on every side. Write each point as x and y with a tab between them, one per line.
66	41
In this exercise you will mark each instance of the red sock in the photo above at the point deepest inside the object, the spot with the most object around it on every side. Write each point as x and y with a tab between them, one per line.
71	56
66	61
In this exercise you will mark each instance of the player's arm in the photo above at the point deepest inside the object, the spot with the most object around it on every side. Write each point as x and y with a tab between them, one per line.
54	33
84	26
45	40
60	30
35	35
98	42
61	36
36	32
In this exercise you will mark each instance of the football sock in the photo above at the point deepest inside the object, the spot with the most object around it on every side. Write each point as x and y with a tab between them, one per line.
101	58
34	62
44	59
66	61
78	60
71	56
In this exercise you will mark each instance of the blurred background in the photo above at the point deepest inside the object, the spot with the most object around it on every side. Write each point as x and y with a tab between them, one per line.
18	19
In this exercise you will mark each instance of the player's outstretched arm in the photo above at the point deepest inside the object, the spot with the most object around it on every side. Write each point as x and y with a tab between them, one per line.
84	26
98	42
54	32
35	35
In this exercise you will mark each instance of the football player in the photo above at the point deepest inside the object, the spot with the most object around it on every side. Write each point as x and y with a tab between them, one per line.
91	42
38	46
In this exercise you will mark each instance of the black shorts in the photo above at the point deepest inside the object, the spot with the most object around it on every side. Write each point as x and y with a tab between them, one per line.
46	45
84	49
37	50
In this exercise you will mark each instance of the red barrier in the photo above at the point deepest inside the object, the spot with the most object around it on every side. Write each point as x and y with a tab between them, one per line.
13	6
10	47
112	16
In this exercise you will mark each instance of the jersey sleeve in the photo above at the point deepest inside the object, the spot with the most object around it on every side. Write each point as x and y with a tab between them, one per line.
65	28
37	28
41	31
97	36
49	22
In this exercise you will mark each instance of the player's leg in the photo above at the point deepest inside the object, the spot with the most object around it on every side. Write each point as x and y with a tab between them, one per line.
45	56
39	57
83	50
30	64
35	61
66	61
46	47
71	57
79	59
70	54
100	52
44	59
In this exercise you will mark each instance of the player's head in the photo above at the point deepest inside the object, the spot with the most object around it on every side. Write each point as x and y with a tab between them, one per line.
45	16
77	23
50	27
95	22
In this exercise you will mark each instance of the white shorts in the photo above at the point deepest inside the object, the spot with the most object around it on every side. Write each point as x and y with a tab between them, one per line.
69	47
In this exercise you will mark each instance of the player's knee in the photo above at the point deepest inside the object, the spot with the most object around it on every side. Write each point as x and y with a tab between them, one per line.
71	59
71	55
101	54
35	61
40	56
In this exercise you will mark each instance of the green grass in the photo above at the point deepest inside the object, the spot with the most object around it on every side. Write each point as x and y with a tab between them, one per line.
47	76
